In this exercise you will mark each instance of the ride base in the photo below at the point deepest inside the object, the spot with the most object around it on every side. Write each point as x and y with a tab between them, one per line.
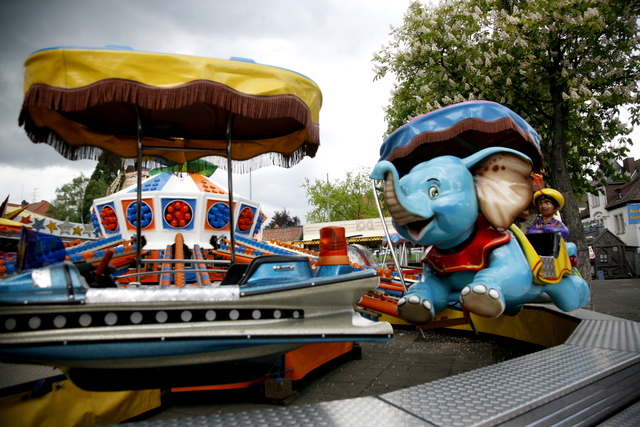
590	378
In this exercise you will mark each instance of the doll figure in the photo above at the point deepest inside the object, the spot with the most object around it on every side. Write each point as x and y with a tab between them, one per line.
548	201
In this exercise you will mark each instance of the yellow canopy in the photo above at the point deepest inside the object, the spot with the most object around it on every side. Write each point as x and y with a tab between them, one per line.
77	99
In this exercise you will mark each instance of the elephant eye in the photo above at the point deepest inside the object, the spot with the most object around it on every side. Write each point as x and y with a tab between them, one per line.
434	192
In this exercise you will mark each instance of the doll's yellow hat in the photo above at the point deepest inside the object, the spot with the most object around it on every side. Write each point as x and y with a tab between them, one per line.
550	192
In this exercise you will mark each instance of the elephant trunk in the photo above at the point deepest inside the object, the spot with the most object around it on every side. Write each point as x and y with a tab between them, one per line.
395	200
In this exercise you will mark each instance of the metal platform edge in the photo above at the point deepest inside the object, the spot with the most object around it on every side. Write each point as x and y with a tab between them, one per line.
591	378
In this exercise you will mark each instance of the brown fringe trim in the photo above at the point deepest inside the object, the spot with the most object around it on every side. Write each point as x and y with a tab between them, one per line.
88	152
45	135
154	98
471	124
264	160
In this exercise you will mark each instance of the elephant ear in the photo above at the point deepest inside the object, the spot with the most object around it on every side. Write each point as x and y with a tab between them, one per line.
504	187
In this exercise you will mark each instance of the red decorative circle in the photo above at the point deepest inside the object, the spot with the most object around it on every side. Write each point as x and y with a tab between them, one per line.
245	220
178	214
109	220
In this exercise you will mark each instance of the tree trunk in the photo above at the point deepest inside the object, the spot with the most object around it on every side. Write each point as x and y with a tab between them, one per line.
570	212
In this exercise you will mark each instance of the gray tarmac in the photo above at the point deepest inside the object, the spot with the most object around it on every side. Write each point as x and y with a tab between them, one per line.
407	360
617	297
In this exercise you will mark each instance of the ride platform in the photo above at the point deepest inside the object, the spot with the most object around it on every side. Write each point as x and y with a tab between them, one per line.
591	377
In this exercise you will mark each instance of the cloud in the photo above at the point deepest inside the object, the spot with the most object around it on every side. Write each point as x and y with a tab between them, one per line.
34	185
331	42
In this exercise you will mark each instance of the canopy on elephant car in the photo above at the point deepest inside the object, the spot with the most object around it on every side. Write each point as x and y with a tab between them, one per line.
460	130
81	100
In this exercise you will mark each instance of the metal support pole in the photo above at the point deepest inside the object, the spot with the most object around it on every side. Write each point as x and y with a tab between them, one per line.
232	227
386	233
139	195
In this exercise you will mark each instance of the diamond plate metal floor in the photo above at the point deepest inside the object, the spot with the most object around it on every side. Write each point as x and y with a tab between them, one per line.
593	376
498	393
354	412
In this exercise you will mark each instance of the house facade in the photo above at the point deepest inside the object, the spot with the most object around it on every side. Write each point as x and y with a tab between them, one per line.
616	206
612	224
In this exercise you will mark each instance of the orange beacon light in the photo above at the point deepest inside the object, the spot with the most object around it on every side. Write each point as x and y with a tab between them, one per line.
333	247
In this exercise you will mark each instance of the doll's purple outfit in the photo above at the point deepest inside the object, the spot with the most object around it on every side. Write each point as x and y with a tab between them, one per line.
553	226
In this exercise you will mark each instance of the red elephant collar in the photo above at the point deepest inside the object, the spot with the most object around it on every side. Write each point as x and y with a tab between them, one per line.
470	255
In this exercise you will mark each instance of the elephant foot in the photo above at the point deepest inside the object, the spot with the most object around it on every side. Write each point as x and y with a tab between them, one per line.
415	310
482	301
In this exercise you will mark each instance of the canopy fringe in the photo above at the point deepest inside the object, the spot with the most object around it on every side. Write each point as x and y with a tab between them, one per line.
427	137
263	160
154	98
46	135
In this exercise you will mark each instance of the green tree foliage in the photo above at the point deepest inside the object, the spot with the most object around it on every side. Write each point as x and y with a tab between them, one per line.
566	66
69	201
341	200
93	190
108	168
105	173
283	219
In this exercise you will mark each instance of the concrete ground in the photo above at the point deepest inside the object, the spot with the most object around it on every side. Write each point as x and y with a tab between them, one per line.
407	360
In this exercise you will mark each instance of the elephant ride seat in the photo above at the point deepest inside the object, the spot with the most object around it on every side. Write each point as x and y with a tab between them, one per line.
546	244
546	254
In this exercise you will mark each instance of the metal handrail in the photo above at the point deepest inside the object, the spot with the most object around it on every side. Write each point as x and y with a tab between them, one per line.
189	261
232	226
138	237
159	272
386	233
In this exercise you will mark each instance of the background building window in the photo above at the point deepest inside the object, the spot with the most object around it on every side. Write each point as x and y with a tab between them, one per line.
619	223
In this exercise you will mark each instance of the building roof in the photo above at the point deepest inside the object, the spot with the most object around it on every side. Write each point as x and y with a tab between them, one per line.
604	236
39	208
282	234
619	194
625	194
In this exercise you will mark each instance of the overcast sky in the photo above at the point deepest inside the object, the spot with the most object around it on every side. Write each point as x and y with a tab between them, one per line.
330	41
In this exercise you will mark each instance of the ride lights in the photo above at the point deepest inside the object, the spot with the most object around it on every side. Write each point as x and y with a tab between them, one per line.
333	247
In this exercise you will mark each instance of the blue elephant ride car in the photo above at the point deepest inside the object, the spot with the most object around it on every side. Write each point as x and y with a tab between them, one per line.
455	180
